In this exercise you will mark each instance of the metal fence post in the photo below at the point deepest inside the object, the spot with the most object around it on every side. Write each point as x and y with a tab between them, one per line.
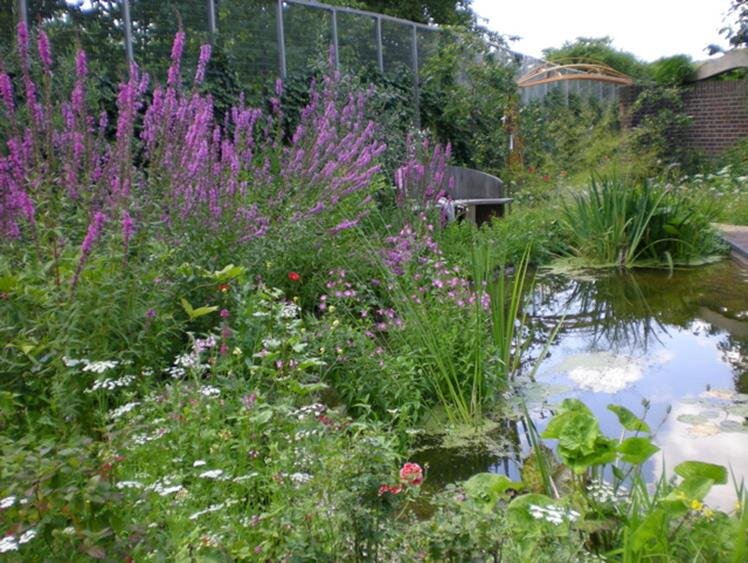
335	46
23	14
128	32
212	17
380	54
416	92
281	39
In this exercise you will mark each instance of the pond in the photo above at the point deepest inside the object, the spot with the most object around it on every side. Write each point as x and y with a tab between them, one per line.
676	342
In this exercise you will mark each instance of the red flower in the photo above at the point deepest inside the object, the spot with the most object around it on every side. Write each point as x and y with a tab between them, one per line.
546	178
294	276
411	474
392	489
224	287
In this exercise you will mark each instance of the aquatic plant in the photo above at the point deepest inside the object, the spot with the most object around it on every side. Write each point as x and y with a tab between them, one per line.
617	223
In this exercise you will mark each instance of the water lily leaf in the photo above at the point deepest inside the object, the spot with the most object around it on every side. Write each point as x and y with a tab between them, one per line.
702	470
702	430
733	426
738	410
637	450
722	394
692	419
628	419
710	414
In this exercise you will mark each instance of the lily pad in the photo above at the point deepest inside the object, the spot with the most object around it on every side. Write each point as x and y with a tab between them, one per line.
738	409
732	426
702	430
692	419
722	394
710	414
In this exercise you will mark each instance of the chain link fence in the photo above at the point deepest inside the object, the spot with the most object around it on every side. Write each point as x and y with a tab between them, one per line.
259	40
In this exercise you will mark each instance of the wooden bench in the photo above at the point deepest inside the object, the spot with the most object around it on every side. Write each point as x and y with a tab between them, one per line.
481	196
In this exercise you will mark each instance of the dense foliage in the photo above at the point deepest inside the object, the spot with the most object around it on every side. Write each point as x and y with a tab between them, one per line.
223	330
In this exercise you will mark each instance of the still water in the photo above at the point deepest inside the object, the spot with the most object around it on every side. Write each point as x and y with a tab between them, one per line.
674	341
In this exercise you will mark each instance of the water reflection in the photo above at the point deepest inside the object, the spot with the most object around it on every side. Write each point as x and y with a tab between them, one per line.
651	337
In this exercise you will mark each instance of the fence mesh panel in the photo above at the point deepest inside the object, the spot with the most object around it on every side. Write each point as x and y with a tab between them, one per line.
308	35
357	41
247	41
154	25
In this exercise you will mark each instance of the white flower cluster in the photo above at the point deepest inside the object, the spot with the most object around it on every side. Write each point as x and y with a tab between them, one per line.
164	487
199	463
124	409
129	485
300	478
213	508
7	502
552	513
246	477
190	360
11	543
175	372
210	391
140	439
289	311
109	384
315	409
304	434
271	343
216	474
93	367
604	493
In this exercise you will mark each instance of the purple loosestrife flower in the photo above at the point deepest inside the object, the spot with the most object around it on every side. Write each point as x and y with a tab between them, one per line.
6	93
22	37
128	227
92	236
176	58
81	64
202	63
45	54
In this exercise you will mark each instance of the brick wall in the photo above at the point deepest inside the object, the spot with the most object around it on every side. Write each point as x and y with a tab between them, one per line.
719	110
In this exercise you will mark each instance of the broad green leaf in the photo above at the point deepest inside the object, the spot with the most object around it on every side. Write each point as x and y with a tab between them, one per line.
637	450
701	470
488	488
228	273
650	531
628	419
694	488
518	510
195	313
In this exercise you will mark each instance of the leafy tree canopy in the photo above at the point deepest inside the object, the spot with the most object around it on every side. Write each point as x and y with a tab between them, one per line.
449	12
736	32
601	50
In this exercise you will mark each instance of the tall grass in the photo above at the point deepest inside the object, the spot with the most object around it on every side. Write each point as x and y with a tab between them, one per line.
617	223
467	353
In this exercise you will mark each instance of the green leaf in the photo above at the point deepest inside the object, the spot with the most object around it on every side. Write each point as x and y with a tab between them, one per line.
518	511
488	488
228	273
8	283
650	531
637	450
195	313
628	419
701	470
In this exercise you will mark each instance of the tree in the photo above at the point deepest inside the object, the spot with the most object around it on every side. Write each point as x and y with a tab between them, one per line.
737	32
600	50
448	12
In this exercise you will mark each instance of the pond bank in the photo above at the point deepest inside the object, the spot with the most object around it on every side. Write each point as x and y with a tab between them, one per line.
737	237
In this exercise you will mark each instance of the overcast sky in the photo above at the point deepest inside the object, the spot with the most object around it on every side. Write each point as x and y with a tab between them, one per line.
649	29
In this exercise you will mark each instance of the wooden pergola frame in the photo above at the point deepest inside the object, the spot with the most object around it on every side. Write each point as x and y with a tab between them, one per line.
552	72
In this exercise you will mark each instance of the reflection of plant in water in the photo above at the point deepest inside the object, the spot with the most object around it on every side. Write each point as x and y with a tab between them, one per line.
735	353
612	310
